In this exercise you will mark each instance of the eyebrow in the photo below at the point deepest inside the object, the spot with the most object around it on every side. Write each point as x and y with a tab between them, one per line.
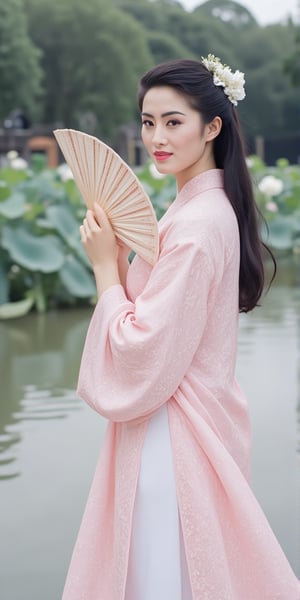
166	114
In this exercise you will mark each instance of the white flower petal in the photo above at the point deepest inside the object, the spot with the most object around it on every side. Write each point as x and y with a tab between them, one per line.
233	83
12	154
18	163
270	186
64	172
154	172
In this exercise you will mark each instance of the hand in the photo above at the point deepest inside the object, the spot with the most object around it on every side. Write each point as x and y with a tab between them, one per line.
101	247
98	238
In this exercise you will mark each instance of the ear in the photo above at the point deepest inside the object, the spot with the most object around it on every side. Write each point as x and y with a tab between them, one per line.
213	129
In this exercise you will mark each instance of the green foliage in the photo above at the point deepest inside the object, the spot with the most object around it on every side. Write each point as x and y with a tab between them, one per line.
229	12
193	31
196	31
42	263
228	29
165	47
277	192
20	72
152	15
270	98
292	62
94	52
93	57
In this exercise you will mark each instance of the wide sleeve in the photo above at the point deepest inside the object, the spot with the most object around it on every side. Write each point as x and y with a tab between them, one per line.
136	354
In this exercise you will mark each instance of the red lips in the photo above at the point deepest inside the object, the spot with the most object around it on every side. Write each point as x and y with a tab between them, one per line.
159	155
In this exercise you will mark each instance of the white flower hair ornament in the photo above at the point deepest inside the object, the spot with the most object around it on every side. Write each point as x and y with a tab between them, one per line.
233	83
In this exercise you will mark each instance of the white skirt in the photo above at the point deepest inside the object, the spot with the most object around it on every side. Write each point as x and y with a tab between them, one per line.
157	567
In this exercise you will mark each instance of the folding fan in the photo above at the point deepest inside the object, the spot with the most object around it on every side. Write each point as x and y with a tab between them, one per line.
102	176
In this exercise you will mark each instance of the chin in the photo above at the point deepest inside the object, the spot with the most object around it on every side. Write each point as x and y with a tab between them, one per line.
163	168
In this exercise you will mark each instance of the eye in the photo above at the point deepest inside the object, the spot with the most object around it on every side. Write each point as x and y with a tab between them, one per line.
147	123
173	123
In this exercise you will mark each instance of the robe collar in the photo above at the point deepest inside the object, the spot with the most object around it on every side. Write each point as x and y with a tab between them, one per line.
211	179
208	180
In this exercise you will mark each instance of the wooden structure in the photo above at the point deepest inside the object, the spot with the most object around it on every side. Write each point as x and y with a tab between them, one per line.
41	139
28	141
45	145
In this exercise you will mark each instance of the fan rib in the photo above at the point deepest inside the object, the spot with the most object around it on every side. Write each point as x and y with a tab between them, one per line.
102	176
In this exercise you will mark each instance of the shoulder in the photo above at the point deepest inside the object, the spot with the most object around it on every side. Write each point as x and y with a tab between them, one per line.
205	219
209	208
203	228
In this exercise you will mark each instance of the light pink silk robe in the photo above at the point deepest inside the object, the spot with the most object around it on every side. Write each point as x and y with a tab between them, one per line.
172	337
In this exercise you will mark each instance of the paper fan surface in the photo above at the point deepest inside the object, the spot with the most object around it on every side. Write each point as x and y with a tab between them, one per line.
102	176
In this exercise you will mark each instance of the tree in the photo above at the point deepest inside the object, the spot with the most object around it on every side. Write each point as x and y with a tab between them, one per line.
268	89
151	14
164	46
94	52
292	63
94	55
196	31
20	72
228	11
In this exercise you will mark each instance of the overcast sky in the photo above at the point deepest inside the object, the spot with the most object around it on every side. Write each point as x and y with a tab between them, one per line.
265	11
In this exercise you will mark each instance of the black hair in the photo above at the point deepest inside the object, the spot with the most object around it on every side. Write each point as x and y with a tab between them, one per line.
192	79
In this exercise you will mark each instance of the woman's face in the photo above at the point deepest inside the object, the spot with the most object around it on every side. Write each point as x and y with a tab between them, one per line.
175	136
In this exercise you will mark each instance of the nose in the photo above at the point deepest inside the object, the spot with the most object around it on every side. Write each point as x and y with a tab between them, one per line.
159	136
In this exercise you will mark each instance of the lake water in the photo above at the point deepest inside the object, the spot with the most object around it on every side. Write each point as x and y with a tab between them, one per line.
50	440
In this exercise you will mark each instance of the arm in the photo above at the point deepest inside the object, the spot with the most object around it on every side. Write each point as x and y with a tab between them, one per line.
123	264
136	354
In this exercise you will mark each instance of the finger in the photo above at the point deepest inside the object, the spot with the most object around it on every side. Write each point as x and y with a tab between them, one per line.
91	221
86	227
82	233
101	216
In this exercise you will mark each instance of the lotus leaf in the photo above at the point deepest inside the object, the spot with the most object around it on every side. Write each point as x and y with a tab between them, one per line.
4	190
44	254
14	206
63	221
12	310
281	233
77	279
4	287
13	176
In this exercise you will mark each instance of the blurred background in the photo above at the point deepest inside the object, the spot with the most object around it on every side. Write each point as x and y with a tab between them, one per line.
68	63
74	64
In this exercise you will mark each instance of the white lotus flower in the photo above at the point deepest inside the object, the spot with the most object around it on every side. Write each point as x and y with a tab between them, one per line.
11	155
18	163
64	172
154	172
270	186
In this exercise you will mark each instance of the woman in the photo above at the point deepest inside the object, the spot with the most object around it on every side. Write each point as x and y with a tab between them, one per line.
171	515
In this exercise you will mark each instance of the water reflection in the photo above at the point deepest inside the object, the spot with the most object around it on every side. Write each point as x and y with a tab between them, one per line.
35	405
39	357
49	439
268	369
